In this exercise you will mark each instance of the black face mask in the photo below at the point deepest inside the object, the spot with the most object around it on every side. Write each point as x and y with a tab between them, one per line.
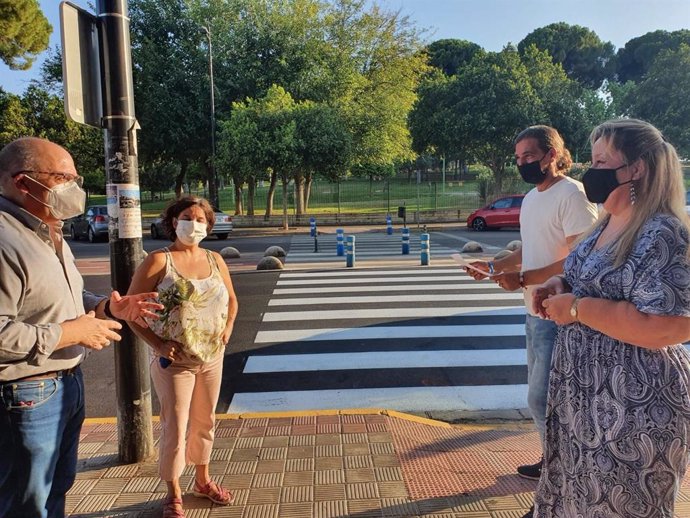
532	172
600	183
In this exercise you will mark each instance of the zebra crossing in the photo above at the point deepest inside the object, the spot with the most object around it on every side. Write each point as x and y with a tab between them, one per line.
369	246
409	339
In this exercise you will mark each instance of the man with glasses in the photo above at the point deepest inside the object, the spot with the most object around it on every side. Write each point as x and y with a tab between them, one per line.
47	324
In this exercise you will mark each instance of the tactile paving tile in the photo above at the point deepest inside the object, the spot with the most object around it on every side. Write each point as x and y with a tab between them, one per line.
297	494
267	480
298	478
331	509
329	476
296	510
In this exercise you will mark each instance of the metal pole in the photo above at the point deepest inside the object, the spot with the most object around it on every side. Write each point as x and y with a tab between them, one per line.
133	385
213	189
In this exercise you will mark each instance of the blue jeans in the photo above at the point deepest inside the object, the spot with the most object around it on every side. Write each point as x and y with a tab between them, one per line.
40	422
540	335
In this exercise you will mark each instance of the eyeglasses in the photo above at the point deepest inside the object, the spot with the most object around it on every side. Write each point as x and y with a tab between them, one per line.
61	177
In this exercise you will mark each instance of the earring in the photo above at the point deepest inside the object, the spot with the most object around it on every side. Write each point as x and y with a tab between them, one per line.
633	194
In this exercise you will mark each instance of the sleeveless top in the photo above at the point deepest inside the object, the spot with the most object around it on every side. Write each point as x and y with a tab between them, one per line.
195	311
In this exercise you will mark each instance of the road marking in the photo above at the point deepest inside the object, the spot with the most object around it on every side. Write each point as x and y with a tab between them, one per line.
442	297
410	399
377	289
388	332
385	360
437	278
344	314
368	273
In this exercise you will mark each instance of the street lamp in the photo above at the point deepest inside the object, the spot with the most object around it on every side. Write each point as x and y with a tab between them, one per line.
214	190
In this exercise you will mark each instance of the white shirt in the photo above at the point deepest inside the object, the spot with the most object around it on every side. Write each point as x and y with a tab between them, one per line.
547	218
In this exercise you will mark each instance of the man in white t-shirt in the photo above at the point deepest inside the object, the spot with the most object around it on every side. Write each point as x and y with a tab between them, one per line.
552	216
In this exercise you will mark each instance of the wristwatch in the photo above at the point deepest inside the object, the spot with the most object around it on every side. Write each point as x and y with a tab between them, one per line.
573	308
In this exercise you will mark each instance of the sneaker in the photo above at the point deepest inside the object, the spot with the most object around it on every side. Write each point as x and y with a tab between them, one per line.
530	513
531	471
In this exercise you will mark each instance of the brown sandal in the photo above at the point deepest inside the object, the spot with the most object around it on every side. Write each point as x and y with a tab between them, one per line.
215	493
170	509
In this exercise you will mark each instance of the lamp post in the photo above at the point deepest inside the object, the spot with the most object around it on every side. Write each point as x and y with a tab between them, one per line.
213	187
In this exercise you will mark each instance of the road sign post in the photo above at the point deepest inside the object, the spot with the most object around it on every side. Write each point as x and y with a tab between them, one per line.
110	106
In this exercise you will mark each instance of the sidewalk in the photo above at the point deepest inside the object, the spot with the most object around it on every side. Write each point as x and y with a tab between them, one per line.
341	464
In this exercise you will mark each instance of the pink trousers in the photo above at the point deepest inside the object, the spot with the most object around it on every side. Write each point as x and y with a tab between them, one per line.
188	394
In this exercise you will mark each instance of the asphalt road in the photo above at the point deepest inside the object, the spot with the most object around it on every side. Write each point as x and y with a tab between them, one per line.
253	290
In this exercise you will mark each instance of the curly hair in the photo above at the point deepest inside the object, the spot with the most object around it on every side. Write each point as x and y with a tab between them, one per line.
548	138
175	207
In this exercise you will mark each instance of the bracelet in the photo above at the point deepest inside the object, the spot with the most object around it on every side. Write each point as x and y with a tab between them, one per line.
490	264
106	310
522	280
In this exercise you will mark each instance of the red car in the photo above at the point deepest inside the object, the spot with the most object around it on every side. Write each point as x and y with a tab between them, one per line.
503	212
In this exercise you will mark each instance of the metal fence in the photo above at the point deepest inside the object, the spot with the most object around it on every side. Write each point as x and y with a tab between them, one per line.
362	196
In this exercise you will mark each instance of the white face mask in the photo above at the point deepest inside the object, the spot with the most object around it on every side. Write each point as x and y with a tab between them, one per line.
190	232
65	201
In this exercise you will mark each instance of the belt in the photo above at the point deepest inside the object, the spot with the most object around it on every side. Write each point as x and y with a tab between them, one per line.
48	375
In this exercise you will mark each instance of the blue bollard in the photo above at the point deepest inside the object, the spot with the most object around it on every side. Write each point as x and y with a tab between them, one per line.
312	225
405	241
339	242
425	250
350	259
389	225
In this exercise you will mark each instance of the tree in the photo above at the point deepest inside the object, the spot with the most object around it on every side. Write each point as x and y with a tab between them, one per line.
324	146
24	33
13	118
450	55
568	106
636	57
663	98
170	85
584	57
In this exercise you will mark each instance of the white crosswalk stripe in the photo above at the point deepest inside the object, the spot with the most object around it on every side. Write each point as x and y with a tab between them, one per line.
417	339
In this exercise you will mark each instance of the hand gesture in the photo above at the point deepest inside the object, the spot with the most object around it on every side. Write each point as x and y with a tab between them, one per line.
135	307
95	333
509	281
227	332
554	286
481	265
557	308
169	349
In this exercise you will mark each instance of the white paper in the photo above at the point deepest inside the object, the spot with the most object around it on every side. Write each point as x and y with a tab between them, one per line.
466	264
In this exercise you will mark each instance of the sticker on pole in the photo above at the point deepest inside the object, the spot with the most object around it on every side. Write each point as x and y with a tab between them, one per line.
124	209
466	264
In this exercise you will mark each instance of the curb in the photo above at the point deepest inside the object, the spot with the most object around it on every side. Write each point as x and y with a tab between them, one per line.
275	415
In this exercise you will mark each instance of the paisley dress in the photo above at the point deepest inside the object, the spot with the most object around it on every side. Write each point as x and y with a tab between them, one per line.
618	415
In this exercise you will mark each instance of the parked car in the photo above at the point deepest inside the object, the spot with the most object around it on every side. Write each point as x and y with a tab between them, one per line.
503	212
221	228
687	202
93	224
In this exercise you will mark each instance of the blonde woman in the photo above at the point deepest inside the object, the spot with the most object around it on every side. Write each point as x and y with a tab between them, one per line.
618	416
188	342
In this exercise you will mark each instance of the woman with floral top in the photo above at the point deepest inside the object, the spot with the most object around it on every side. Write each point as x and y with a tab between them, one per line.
187	341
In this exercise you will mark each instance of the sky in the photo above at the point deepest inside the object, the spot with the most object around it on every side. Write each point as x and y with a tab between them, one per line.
489	23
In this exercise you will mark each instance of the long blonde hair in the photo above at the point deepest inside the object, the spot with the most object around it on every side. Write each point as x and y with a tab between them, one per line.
660	191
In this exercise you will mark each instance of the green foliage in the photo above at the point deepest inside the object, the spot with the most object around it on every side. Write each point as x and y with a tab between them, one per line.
41	114
637	56
24	32
450	55
584	57
171	88
663	97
